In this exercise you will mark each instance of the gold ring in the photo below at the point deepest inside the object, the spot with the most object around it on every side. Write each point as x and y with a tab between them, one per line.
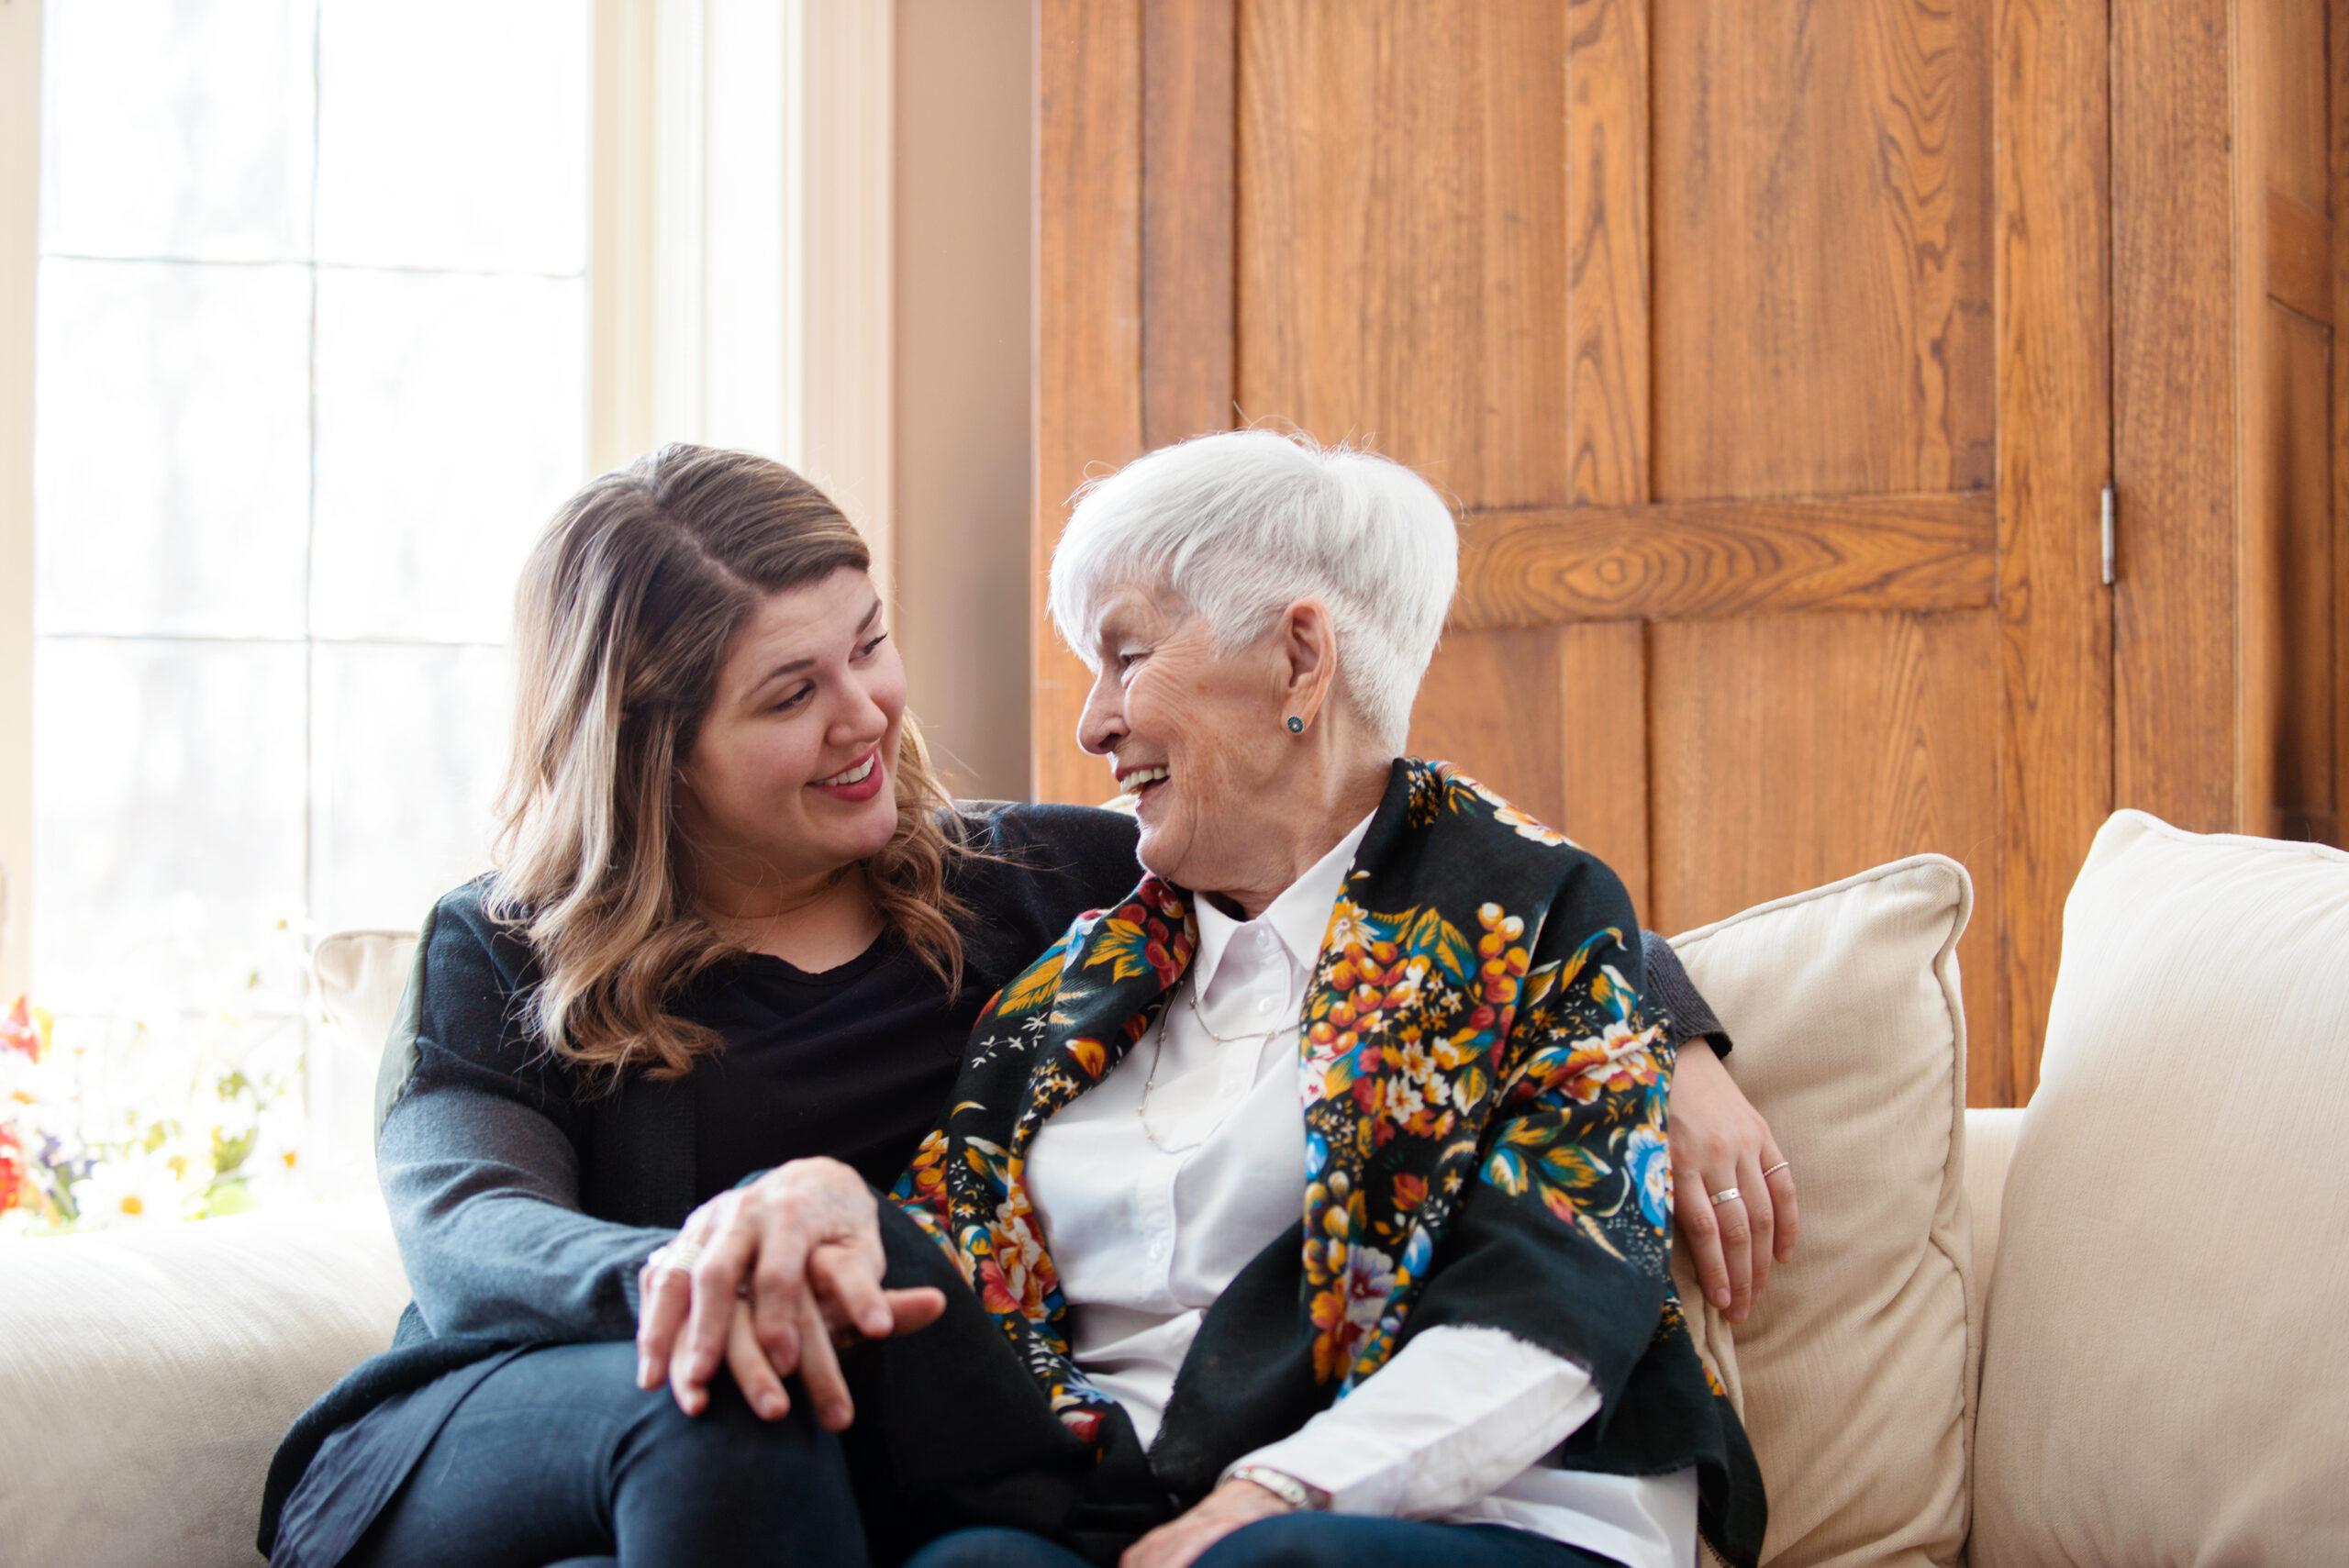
1775	1169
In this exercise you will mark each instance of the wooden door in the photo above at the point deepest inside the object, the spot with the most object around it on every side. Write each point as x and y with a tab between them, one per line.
1765	347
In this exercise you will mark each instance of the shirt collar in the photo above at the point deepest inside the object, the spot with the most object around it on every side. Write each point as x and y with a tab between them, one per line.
1299	916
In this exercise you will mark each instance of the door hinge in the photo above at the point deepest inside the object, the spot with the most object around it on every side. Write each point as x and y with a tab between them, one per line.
2109	508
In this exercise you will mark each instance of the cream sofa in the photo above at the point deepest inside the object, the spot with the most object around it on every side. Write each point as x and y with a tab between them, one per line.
2094	1331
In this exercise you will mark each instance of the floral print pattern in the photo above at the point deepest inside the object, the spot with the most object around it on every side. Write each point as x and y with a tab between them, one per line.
1443	1059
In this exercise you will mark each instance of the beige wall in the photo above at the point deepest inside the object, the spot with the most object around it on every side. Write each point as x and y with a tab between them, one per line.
965	106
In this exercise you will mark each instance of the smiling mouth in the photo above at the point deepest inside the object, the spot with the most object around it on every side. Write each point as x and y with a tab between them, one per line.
1140	779
856	774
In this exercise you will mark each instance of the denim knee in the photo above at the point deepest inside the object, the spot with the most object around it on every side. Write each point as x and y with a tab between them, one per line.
993	1548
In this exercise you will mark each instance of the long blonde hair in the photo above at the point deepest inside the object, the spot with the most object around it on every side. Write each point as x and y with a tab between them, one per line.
622	618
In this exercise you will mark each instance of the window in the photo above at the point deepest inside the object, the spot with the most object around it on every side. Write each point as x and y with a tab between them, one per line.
310	373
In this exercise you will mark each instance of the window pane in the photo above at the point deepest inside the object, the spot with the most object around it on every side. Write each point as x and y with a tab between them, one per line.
167	812
452	422
172	449
453	134
177	128
407	750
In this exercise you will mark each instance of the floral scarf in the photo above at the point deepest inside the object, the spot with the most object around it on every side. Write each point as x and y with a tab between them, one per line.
1483	1096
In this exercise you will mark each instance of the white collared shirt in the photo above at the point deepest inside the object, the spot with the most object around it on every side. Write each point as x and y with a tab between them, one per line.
1146	1235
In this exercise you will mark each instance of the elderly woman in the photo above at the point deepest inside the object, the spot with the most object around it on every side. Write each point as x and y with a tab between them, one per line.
1318	1188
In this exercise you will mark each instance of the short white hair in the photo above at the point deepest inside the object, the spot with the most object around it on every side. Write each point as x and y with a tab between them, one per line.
1243	523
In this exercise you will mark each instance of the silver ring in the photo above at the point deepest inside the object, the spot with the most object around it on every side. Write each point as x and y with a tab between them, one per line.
1775	1169
678	1254
1723	1196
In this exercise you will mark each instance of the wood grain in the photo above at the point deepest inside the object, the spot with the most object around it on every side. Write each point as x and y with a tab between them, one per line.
2337	175
1706	560
1603	762
1793	750
1188	79
1493	703
1607	275
2054	433
2174	416
1402	235
2283	457
2300	257
1089	321
1822	284
1603	748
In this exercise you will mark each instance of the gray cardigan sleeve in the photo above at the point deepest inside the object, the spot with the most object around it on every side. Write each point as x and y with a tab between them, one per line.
1690	1015
478	1155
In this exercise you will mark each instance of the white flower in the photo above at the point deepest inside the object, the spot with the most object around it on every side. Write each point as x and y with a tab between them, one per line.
128	1188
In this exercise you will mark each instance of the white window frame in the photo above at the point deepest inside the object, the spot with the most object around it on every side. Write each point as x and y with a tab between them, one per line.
19	261
743	300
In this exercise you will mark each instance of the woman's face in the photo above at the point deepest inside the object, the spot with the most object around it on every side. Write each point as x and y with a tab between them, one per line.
1197	737
793	773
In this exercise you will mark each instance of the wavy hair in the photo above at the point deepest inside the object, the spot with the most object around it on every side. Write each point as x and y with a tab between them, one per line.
622	619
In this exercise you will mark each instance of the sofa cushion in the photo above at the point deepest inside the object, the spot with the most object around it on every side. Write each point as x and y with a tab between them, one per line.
1855	1364
2159	1384
148	1373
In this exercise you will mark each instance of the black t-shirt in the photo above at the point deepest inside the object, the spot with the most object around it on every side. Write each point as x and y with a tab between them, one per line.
856	1063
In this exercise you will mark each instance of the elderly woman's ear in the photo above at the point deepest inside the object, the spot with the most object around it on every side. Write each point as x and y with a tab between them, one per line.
1308	646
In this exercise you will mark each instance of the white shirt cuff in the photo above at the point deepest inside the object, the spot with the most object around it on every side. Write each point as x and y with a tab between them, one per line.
1456	1413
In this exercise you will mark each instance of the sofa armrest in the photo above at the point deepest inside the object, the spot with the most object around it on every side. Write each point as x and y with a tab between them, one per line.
147	1375
1989	1146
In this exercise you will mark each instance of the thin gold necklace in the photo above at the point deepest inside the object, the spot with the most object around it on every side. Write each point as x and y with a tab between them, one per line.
1158	1049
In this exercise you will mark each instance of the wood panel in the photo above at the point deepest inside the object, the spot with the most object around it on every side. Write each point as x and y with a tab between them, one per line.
1822	289
1497	706
1607	67
2055	434
1790	752
2337	132
1603	762
1705	559
2284	759
1402	235
1088	319
1187	131
2174	416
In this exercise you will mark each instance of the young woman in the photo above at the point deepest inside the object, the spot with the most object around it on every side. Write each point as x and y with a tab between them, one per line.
735	926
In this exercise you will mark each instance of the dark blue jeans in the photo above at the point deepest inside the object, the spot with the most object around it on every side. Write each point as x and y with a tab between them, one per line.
558	1455
1292	1541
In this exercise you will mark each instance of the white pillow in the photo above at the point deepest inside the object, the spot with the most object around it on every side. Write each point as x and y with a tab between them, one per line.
2163	1381
1856	1365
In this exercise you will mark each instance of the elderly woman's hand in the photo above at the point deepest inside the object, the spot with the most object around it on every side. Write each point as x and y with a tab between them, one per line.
1175	1544
775	1271
1719	1142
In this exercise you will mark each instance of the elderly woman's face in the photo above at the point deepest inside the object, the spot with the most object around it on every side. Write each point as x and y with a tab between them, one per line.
1195	736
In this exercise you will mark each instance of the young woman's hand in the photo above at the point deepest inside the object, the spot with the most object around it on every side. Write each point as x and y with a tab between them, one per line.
1719	1142
790	1259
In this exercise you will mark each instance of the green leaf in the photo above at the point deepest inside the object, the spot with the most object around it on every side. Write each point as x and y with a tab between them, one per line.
1441	939
1574	1166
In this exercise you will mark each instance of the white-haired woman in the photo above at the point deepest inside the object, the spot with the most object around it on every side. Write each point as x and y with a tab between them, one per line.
1313	1201
733	928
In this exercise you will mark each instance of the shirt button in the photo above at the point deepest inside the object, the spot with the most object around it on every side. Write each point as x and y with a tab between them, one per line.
1266	1004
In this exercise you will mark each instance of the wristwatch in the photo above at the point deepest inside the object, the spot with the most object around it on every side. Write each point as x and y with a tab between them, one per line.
1287	1488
